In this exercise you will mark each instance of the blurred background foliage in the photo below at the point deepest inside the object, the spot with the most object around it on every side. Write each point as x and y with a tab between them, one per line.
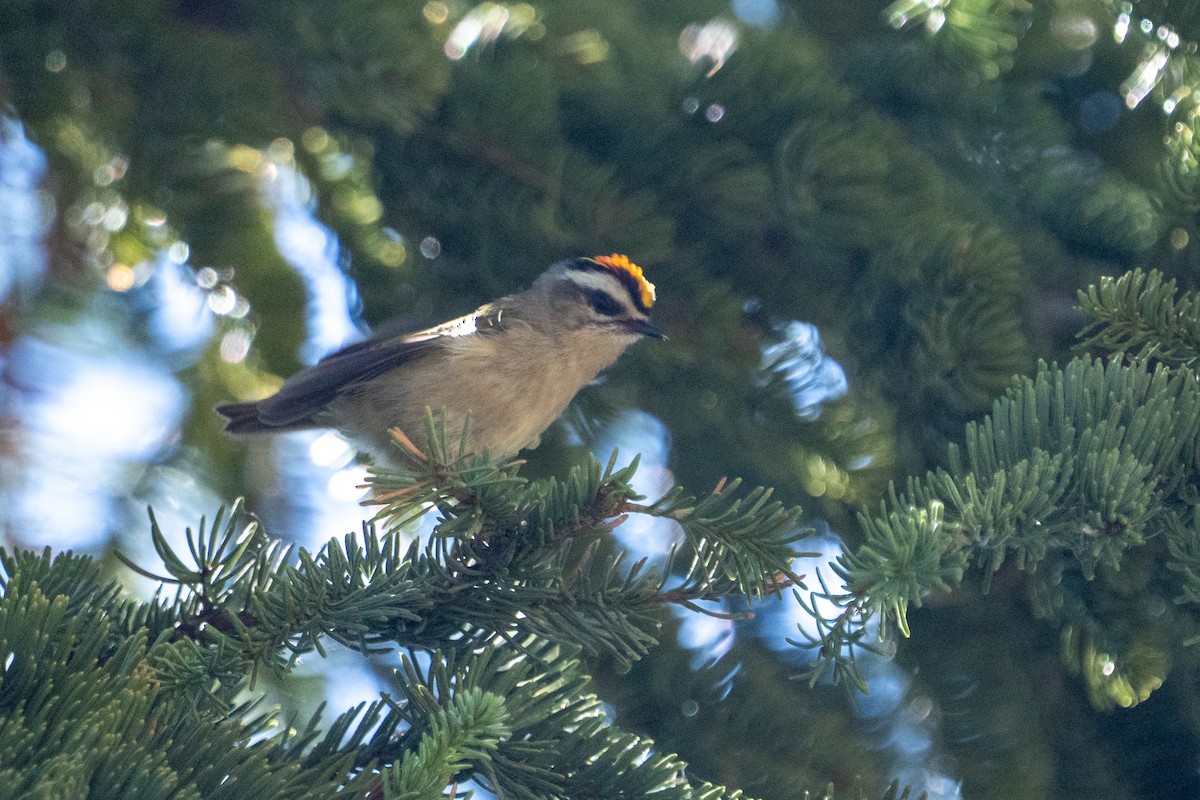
862	219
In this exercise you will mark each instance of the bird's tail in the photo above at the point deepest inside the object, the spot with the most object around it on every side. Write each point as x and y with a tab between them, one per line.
243	418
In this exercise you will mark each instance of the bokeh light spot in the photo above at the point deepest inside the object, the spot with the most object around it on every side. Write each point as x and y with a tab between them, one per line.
436	12
346	485
763	13
315	139
1074	31
235	346
711	44
246	159
391	254
56	60
1099	112
330	450
119	277
206	278
431	248
221	300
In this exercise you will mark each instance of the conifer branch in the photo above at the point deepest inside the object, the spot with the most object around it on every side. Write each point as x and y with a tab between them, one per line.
1141	314
983	36
1081	463
513	714
746	542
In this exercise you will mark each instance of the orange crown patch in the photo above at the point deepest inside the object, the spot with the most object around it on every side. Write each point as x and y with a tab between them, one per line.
620	266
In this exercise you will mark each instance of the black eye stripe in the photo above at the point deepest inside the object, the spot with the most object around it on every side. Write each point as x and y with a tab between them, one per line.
604	303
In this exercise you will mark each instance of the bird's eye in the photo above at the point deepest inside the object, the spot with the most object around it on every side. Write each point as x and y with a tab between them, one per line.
603	303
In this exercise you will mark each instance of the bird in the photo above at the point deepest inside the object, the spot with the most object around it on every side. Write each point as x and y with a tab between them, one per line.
502	373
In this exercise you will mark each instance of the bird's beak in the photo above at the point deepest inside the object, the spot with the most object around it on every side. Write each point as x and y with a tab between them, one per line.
643	327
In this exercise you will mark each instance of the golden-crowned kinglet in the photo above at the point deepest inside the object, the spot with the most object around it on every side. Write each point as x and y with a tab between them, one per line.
513	365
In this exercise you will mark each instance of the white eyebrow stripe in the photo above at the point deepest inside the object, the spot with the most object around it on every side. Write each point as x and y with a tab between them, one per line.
605	283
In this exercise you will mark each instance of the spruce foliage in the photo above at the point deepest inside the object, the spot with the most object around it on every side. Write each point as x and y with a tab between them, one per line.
512	586
1083	468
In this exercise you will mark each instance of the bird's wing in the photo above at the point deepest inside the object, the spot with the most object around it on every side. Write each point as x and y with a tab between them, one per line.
310	390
